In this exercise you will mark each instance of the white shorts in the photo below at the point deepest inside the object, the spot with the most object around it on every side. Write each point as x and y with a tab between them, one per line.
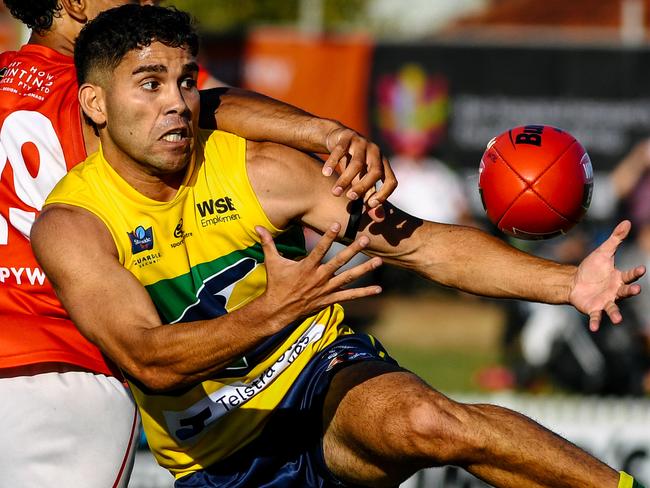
73	429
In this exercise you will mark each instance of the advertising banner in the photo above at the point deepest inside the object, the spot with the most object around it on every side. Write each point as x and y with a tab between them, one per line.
449	100
325	75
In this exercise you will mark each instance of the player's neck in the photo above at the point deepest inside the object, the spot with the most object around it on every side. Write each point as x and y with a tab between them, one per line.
144	179
55	41
60	36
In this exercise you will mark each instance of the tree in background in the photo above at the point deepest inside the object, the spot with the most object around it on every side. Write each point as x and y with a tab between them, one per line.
231	16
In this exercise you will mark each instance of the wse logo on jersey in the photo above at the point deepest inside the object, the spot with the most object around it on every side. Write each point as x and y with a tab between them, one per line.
141	239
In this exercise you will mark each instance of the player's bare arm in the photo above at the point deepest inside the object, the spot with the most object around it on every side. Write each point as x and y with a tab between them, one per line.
114	311
461	257
256	117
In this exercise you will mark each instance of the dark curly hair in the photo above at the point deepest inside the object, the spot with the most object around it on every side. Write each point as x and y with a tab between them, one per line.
35	14
105	40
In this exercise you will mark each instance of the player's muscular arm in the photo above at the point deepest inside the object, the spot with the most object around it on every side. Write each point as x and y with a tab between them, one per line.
113	310
290	188
260	118
457	256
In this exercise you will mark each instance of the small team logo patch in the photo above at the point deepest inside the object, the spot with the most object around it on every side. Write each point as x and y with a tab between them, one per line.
338	356
141	239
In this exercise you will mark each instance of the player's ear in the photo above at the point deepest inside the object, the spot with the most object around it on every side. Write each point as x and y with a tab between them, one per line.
76	9
91	99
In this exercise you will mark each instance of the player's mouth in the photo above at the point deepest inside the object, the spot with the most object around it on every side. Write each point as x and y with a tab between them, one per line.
176	136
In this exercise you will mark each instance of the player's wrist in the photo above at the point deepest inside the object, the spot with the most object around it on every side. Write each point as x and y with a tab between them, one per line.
332	131
271	314
570	274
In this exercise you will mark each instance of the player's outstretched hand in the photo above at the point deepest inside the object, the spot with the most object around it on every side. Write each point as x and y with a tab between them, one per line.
300	288
598	284
361	165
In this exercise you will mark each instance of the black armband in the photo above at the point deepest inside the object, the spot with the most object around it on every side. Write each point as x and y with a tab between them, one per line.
210	101
356	209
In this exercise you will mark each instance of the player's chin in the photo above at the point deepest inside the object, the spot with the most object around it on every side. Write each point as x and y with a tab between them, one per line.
169	162
178	150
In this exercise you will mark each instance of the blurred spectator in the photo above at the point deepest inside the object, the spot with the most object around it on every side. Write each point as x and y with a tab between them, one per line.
554	343
637	209
430	189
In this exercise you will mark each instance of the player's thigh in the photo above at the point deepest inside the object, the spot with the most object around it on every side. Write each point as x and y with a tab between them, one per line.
382	423
66	429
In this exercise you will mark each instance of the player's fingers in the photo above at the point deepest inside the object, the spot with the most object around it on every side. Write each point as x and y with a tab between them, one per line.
333	160
633	274
350	275
268	246
613	313
344	256
387	188
341	167
323	245
626	291
354	293
365	186
369	160
619	233
355	168
594	320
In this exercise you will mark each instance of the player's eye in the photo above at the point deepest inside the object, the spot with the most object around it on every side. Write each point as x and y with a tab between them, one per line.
188	83
150	85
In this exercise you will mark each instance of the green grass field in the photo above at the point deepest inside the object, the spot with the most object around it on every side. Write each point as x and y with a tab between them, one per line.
444	338
447	371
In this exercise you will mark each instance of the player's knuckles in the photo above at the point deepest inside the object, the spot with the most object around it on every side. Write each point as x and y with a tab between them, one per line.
347	277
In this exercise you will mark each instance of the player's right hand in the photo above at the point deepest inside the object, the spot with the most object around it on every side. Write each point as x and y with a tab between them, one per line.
300	288
361	166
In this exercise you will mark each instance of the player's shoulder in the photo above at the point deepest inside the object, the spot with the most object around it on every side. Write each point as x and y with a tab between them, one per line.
81	180
283	172
275	156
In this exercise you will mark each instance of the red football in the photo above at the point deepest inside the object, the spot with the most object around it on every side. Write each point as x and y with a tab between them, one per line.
535	181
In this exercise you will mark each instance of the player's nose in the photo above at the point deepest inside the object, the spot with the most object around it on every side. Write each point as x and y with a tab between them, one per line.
175	101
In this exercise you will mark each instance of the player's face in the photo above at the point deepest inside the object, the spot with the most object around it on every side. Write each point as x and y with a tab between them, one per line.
151	110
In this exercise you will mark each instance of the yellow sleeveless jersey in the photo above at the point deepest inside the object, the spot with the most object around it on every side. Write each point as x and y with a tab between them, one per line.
199	257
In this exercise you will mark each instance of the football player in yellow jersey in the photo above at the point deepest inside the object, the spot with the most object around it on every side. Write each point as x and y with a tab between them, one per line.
258	344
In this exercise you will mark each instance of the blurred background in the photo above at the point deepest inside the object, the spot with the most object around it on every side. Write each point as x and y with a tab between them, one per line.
432	81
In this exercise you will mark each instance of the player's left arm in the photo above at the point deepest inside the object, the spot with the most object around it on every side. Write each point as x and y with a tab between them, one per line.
260	118
461	257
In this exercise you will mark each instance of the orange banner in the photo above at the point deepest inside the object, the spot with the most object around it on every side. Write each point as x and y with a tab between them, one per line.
325	75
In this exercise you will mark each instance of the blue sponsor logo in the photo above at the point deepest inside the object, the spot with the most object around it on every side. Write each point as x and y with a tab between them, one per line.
141	239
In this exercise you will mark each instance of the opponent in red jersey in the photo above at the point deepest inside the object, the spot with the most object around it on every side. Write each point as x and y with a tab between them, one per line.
66	418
